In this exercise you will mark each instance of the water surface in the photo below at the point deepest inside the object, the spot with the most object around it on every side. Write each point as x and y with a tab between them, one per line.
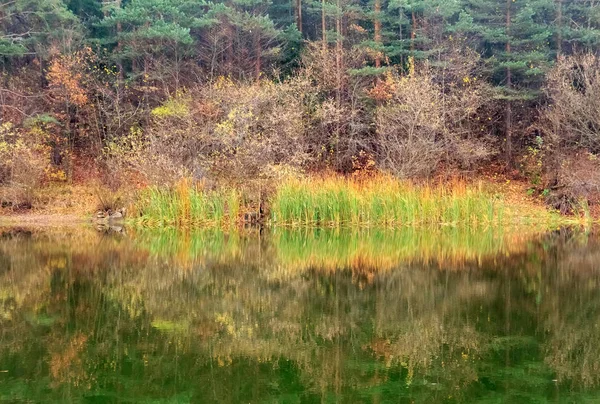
299	316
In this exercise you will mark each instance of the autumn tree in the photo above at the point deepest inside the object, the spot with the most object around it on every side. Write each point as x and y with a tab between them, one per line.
67	91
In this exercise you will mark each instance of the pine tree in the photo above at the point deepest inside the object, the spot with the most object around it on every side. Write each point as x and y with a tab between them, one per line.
514	39
90	13
247	37
148	30
37	27
419	28
577	26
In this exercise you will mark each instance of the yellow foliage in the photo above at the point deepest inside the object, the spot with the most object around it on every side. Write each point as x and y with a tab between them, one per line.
223	82
175	107
411	65
16	148
55	174
129	145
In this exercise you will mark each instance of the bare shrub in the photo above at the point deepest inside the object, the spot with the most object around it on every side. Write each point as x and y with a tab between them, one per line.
340	112
260	125
163	153
424	123
577	179
572	119
570	125
408	125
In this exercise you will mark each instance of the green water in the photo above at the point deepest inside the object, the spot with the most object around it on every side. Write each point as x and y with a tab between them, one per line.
404	316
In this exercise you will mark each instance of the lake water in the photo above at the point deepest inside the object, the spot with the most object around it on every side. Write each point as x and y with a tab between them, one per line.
299	316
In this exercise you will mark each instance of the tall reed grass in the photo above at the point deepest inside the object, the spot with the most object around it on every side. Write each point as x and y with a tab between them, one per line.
188	205
337	201
383	201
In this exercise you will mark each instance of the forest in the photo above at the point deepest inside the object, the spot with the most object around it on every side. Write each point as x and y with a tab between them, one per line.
245	93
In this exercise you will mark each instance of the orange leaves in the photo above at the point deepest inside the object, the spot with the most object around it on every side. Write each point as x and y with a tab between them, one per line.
383	90
66	78
358	28
207	109
363	166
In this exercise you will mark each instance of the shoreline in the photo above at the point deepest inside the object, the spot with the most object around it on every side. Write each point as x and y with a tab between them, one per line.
42	220
376	201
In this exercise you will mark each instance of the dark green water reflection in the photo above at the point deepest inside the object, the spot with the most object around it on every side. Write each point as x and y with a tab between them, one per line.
299	316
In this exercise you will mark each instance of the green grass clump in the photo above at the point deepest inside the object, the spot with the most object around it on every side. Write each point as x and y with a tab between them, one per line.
382	201
387	202
188	206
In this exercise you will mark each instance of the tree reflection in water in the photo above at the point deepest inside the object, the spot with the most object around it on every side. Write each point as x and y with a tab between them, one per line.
300	316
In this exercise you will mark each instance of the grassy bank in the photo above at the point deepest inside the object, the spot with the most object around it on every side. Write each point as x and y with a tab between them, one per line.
337	201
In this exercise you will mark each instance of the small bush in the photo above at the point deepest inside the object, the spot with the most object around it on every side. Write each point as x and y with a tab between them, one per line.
23	164
230	133
572	120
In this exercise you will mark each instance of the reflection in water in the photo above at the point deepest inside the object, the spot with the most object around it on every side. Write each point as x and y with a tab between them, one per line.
300	316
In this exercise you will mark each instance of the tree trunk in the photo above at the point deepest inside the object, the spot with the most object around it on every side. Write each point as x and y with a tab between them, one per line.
338	47
119	44
377	24
559	23
69	168
339	67
105	11
323	25
229	56
508	111
299	15
413	32
400	35
258	54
